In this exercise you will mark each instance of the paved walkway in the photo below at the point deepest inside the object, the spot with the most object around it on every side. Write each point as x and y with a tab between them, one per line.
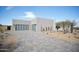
29	41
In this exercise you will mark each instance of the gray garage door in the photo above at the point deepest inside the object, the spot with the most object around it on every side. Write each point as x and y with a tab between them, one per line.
21	27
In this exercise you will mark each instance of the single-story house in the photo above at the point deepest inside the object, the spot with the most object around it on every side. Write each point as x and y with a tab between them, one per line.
35	24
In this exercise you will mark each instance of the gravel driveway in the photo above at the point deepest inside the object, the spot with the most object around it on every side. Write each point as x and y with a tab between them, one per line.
29	41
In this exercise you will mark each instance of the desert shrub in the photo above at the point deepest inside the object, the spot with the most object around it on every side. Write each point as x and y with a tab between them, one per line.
1	28
2	37
76	36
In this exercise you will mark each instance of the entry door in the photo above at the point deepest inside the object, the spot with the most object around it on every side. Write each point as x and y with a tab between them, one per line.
34	27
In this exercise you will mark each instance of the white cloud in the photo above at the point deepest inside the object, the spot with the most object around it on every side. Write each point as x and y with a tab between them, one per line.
9	7
29	15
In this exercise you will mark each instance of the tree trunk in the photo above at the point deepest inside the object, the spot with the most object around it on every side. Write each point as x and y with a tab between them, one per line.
71	28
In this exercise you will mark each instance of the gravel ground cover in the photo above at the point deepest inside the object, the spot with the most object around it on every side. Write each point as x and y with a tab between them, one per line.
29	41
7	42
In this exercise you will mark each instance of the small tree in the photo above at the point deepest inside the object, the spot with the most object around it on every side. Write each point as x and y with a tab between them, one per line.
73	23
62	25
57	27
66	25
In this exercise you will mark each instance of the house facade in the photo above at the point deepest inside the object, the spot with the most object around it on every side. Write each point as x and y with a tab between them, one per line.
35	24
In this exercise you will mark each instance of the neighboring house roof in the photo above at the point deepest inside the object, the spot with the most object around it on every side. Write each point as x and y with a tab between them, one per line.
77	24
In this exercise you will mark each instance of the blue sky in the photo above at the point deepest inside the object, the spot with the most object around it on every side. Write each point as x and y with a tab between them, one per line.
58	13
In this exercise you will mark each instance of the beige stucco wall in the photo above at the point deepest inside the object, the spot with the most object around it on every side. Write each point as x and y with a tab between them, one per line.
43	23
20	22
